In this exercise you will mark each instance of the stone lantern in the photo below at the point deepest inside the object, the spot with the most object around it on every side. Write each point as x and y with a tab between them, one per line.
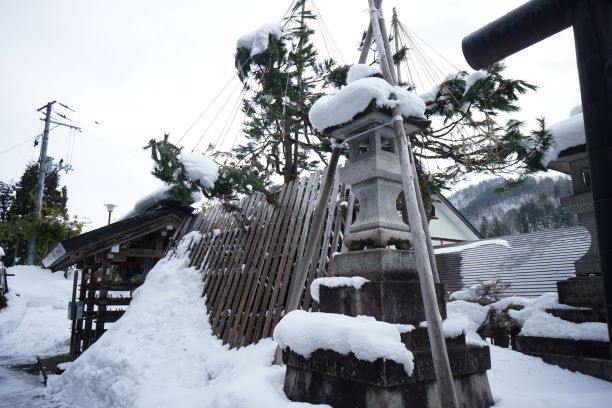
375	178
390	292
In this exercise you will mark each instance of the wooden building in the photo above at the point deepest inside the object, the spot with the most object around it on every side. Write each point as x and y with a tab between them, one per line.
112	261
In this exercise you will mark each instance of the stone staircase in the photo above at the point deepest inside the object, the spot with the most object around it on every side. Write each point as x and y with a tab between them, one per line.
585	356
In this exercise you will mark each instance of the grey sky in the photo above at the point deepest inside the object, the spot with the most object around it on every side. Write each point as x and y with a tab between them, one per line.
142	67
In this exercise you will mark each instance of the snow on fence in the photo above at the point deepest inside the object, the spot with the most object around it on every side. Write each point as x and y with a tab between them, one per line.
248	258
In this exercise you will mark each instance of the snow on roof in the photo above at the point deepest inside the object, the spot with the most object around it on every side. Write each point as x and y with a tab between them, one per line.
354	98
200	168
258	41
475	244
369	339
360	71
565	134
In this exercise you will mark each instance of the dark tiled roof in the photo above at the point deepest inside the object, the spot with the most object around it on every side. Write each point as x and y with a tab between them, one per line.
532	265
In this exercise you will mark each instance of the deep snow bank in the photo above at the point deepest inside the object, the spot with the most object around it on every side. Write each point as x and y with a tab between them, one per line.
162	353
35	321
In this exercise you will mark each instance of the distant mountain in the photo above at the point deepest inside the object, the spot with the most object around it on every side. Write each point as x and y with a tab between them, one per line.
530	206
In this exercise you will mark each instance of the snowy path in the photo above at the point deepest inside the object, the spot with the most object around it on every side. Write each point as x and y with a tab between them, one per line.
34	324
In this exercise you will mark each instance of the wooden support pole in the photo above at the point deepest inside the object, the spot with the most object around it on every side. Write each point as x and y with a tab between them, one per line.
444	376
73	335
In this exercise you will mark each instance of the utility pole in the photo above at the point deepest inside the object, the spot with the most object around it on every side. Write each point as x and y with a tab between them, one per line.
40	184
44	166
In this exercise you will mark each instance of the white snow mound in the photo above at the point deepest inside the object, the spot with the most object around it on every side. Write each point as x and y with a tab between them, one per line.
364	336
258	41
162	353
354	98
360	71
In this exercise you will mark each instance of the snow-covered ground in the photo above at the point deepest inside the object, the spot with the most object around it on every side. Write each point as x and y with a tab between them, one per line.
34	323
162	354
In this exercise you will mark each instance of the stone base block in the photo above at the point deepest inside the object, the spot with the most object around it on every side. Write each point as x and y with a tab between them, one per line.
473	391
387	301
377	264
582	292
566	347
595	367
579	315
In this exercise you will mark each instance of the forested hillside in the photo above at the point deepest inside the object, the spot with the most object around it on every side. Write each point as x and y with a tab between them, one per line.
530	206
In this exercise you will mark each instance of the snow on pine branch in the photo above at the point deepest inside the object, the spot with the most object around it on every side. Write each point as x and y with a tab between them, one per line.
200	168
469	79
364	336
354	98
258	41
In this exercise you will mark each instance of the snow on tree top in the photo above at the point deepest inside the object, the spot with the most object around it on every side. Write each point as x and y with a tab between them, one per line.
354	98
1	252
565	134
360	71
257	41
200	168
364	336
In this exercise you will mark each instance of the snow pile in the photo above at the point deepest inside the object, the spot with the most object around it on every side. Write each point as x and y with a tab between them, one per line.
475	244
258	41
532	317
200	168
335	282
354	98
542	324
35	321
360	71
364	336
453	326
565	134
162	353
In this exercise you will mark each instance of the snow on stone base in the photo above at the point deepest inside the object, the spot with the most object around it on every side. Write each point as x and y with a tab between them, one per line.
335	282
354	98
364	336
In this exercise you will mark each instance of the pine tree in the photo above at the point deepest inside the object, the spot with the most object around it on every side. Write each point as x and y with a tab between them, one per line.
7	196
55	224
285	80
484	227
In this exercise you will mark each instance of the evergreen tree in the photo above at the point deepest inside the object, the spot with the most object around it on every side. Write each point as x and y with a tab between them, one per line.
7	196
484	227
16	226
284	80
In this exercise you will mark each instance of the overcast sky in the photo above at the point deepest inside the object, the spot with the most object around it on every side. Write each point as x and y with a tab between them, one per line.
143	67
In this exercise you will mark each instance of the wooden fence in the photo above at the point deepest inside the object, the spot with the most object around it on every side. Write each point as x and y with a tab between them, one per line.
248	258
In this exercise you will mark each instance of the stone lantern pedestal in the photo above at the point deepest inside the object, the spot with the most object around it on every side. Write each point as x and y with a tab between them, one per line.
392	294
585	289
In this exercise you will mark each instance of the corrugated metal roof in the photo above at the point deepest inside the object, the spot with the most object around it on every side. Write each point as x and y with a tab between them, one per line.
532	265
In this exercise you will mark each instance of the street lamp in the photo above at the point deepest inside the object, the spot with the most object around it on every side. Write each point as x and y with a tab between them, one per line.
110	208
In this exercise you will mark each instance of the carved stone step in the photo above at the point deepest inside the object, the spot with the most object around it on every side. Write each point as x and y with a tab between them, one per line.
579	315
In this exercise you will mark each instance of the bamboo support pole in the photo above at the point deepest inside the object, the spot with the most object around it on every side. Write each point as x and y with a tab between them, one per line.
444	377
